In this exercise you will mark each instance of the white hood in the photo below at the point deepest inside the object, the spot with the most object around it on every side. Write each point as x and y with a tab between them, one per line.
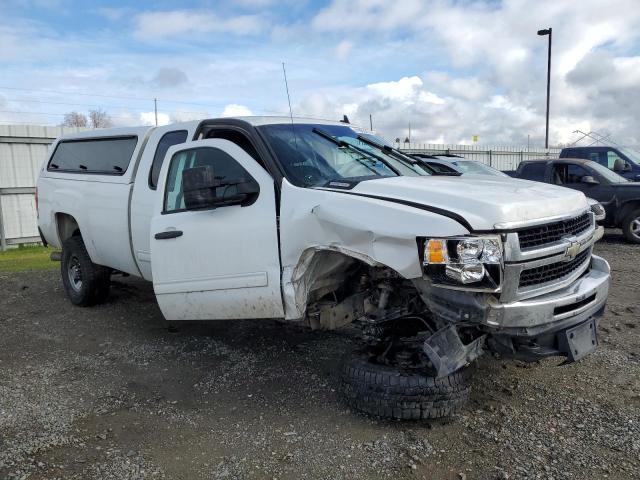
483	201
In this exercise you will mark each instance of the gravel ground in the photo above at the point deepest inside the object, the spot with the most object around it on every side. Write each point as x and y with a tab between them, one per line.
113	392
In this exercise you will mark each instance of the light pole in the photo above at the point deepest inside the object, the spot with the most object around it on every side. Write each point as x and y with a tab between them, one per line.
547	31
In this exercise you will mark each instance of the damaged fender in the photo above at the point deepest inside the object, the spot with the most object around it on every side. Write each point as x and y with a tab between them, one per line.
359	229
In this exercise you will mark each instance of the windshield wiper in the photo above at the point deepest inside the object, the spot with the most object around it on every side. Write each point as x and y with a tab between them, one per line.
342	143
390	150
401	157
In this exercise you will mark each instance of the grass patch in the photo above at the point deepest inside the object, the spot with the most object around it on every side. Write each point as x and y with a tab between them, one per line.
27	258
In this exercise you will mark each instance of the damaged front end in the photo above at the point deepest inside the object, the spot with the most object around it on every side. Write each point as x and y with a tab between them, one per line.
527	291
546	300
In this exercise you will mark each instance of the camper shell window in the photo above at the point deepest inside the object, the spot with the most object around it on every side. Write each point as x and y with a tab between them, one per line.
106	156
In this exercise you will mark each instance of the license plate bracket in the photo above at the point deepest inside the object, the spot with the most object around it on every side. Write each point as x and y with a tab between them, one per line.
580	340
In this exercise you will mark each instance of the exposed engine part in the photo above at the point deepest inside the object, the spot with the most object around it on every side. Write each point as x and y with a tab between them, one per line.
385	291
398	326
329	315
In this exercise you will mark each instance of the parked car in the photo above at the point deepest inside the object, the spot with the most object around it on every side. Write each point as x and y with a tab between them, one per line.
310	221
456	164
621	160
619	197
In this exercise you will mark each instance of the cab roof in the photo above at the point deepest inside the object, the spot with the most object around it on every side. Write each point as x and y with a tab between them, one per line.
255	121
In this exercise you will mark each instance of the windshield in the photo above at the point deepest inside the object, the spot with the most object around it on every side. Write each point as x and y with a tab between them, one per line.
470	166
613	177
314	155
631	155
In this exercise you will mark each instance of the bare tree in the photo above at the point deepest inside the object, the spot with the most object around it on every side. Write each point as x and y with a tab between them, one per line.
100	119
75	119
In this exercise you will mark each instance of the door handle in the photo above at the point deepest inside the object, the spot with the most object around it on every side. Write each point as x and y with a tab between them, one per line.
168	234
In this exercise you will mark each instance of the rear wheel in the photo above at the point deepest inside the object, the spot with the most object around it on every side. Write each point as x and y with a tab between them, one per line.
631	226
401	393
84	282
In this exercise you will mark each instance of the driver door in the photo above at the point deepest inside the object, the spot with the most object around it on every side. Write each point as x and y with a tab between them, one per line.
217	260
573	178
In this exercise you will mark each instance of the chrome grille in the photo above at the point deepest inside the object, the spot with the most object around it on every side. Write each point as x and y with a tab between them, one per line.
553	232
553	271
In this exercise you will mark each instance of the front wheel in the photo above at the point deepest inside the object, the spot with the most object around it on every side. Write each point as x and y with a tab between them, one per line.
403	394
631	226
84	282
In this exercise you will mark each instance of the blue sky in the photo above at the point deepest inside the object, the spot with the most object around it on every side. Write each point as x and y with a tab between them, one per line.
450	68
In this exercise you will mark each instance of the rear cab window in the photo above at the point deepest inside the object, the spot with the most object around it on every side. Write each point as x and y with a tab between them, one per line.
167	141
106	155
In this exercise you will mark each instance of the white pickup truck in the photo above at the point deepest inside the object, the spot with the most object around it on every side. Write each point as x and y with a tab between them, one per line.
318	222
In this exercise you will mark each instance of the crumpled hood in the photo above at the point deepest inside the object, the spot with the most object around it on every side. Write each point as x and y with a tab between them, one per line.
483	201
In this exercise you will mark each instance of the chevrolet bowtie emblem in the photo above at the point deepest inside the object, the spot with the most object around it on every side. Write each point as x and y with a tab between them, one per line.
572	251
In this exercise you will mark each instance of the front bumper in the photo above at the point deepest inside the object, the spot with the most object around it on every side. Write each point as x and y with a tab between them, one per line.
541	326
574	303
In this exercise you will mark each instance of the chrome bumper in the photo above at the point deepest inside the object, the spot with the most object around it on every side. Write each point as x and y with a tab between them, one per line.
577	302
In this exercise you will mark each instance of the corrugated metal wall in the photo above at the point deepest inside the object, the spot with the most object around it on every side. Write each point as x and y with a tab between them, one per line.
23	148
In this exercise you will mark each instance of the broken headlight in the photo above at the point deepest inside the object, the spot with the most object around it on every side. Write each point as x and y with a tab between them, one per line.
475	262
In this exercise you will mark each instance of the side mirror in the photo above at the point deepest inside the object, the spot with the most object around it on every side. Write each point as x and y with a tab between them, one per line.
589	180
627	167
202	190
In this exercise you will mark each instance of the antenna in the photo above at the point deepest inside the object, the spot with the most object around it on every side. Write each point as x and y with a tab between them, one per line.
286	86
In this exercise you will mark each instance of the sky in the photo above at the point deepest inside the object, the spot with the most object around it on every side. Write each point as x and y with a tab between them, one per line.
445	70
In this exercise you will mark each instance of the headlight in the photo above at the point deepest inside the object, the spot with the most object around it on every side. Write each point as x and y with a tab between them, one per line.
598	210
473	261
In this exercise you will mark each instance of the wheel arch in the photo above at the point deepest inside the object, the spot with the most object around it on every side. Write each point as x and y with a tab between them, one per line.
625	209
320	269
66	226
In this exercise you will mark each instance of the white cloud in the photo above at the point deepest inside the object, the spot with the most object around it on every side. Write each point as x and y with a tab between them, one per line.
403	89
367	15
169	24
148	118
235	110
343	49
183	115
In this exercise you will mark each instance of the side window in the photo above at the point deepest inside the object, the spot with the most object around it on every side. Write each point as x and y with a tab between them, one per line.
594	157
611	159
575	173
168	140
225	168
534	171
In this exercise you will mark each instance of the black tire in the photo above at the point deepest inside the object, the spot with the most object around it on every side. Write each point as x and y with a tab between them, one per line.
85	283
632	221
387	392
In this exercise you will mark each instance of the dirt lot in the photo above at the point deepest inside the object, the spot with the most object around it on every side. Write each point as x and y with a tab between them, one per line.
113	393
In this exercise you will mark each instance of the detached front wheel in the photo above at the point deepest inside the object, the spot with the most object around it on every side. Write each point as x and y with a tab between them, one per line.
403	394
84	282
